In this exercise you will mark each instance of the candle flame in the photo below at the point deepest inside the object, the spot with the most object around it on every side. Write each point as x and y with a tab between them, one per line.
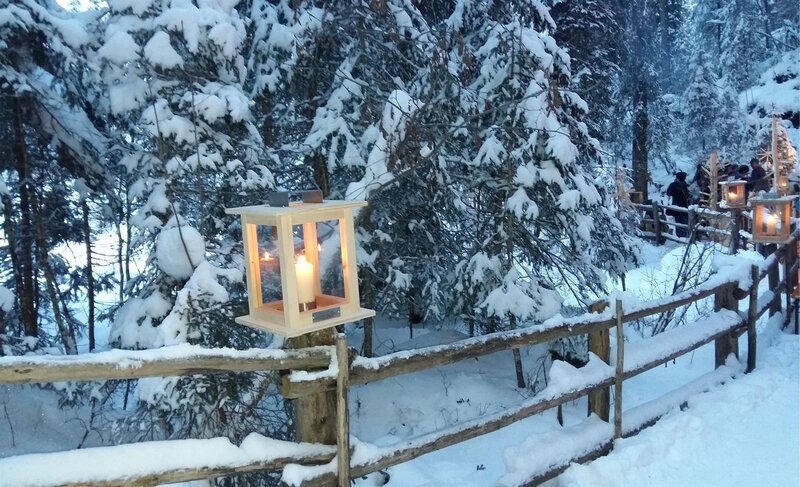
267	256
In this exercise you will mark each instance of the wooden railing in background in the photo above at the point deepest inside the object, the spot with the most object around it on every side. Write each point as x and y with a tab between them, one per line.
345	370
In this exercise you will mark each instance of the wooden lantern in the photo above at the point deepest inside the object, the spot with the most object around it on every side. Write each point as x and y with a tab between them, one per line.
733	194
772	218
295	284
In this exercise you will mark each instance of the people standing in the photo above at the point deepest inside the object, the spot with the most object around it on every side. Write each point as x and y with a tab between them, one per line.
678	190
758	180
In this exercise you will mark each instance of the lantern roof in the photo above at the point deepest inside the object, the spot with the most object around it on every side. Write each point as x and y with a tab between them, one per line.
727	183
293	209
773	198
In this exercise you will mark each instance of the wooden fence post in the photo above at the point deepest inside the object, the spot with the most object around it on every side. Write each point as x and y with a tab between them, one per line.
728	343
315	414
690	222
752	314
619	370
788	260
735	230
599	344
774	279
342	412
657	223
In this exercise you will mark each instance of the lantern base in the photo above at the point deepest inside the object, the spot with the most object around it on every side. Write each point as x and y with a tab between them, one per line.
290	332
762	239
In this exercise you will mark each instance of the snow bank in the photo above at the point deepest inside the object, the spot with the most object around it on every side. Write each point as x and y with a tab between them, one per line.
562	446
745	433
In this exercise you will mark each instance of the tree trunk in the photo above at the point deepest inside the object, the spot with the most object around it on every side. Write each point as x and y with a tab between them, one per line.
64	330
11	238
26	297
87	238
369	303
641	175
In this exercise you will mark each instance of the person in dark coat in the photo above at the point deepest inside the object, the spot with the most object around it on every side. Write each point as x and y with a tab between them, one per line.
758	180
678	190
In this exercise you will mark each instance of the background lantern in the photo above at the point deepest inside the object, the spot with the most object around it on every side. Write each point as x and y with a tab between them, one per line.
782	184
300	265
772	218
733	194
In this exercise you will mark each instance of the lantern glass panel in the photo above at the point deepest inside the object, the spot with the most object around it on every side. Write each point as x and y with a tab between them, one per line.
733	193
773	220
269	265
318	264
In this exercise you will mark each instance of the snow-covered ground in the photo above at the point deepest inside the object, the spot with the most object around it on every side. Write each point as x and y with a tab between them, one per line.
744	433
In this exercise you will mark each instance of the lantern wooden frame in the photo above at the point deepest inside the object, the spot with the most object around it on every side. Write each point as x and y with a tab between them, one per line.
285	317
776	229
733	194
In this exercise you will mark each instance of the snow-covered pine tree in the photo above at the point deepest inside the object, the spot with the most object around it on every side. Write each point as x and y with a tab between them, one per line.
187	141
703	110
364	141
49	142
538	222
591	34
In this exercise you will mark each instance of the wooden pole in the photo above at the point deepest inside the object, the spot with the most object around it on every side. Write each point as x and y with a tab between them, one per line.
728	343
657	222
619	372
342	412
599	344
787	267
690	222
714	177
315	414
734	243
775	169
774	280
752	317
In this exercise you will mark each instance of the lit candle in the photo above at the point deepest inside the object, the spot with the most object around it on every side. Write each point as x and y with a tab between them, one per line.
266	257
732	196
305	281
770	223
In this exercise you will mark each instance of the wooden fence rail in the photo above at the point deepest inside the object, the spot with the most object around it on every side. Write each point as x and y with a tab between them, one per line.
340	370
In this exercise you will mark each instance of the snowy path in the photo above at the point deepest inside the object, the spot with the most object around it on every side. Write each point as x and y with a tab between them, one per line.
745	433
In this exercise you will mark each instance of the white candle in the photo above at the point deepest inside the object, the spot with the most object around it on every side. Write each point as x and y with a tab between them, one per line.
305	280
771	223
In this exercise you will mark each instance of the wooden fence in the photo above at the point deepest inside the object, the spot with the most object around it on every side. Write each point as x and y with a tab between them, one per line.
342	369
733	227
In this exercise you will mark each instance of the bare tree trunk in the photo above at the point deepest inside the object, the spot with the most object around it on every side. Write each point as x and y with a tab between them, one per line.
369	302
9	229
641	174
87	238
64	329
26	297
510	261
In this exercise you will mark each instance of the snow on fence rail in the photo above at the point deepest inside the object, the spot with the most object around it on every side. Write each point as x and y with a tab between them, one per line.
308	464
157	462
178	360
